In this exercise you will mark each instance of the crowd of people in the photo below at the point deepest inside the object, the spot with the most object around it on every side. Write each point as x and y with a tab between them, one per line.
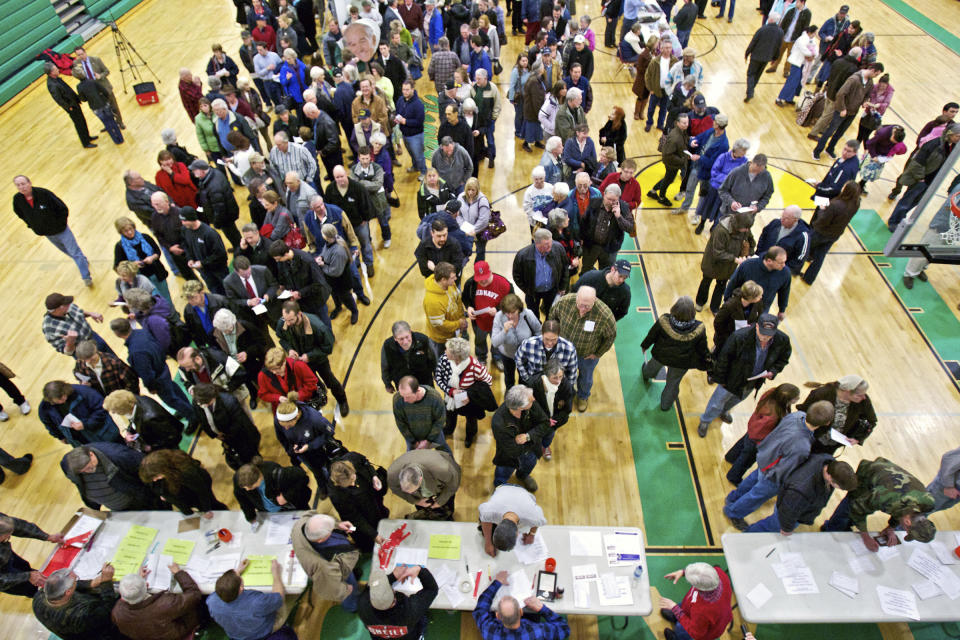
255	323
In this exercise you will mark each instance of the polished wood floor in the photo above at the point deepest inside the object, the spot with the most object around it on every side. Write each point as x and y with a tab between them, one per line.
849	322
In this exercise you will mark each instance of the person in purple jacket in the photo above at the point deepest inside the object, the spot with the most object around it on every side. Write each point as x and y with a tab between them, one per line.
709	204
881	147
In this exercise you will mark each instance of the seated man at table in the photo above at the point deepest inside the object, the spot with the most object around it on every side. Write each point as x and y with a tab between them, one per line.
250	615
427	478
508	622
141	615
508	511
705	611
328	557
884	486
77	609
805	492
389	614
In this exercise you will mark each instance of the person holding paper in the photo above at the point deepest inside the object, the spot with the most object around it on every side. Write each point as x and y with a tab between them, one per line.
74	414
106	475
428	479
507	621
141	615
301	280
805	492
222	417
730	243
389	614
328	558
828	225
589	324
483	294
554	393
945	487
768	272
465	383
843	169
210	365
248	614
885	486
443	306
747	188
741	309
77	609
17	577
261	485
142	422
245	343
790	232
249	286
102	372
307	437
282	374
782	451
519	426
705	610
509	511
679	343
750	357
204	249
854	419
65	324
357	489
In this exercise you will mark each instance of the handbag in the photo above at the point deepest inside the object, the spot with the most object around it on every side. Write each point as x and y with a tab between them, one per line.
294	239
497	67
481	396
870	121
495	227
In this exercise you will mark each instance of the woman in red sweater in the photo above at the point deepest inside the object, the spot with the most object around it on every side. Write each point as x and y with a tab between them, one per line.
174	178
705	611
281	374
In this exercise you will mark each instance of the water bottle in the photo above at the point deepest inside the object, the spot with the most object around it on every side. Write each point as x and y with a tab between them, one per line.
637	575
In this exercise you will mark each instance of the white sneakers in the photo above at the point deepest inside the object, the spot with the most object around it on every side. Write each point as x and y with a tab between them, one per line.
386	244
3	416
25	408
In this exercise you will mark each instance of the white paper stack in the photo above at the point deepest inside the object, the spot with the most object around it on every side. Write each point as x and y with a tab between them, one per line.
279	528
586	543
846	585
520	586
623	548
940	575
447	581
412	556
926	589
759	595
615	591
888	553
795	575
409	586
533	553
898	603
944	555
860	564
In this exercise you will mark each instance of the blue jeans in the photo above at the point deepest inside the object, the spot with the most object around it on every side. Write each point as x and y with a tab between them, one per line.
384	220
363	237
907	202
350	602
414	145
548	439
532	132
68	244
113	129
940	501
831	135
439	440
518	117
525	465
770	524
655	101
693	181
262	89
491	145
709	205
744	454
169	258
721	402
824	71
750	495
585	379
723	5
683	37
791	88
626	24
357	278
274	94
680	633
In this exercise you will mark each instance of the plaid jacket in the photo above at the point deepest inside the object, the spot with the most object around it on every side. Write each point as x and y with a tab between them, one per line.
573	327
115	375
55	329
532	356
551	626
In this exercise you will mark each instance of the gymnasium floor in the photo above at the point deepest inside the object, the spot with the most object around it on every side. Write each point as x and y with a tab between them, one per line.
623	462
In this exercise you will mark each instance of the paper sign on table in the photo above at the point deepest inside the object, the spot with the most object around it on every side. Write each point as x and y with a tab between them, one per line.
944	555
623	548
581	594
926	589
623	597
898	603
411	556
587	572
845	584
84	524
444	547
132	550
759	595
800	582
586	543
160	576
259	573
179	550
887	553
532	553
279	528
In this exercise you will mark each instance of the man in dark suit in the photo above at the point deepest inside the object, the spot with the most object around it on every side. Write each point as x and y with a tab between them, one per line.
222	417
215	195
393	68
541	290
255	249
93	69
302	277
251	288
68	100
204	250
148	361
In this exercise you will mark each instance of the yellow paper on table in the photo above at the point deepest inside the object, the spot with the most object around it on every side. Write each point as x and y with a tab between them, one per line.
179	550
444	547
132	550
258	573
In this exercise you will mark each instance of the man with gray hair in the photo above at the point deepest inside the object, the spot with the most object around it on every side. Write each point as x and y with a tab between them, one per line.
428	479
508	512
443	63
140	615
508	620
289	156
541	271
107	474
749	187
328	558
138	192
453	163
78	609
406	353
706	609
790	232
17	577
602	228
518	426
570	115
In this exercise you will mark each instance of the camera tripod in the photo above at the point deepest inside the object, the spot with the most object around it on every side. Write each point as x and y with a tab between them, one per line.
128	60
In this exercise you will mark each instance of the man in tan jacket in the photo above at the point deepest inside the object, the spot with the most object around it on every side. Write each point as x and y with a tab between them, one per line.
328	557
94	69
427	478
850	97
